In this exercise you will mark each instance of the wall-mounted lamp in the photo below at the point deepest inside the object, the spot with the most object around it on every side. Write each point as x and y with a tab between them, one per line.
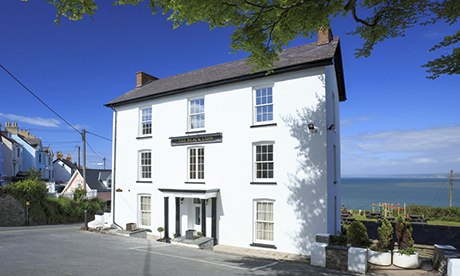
332	127
312	127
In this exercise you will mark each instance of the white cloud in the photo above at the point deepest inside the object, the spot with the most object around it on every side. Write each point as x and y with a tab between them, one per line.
430	150
36	121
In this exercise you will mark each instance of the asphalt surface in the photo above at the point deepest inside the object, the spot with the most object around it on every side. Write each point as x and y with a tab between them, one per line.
66	250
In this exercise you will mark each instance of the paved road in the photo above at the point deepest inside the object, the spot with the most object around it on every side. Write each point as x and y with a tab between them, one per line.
65	250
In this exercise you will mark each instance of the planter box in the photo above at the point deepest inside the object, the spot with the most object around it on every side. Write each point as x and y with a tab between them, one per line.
357	259
405	261
379	258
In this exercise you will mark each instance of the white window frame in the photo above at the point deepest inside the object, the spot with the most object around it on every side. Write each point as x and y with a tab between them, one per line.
255	161
142	211
257	220
196	159
255	105
190	114
140	165
142	122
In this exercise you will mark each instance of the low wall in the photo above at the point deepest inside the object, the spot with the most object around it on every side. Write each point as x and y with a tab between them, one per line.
12	212
424	234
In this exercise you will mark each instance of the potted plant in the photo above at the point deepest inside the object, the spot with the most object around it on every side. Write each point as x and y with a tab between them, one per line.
160	230
357	253
405	256
381	254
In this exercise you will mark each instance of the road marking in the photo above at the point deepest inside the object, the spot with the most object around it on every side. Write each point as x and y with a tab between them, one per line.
263	266
190	259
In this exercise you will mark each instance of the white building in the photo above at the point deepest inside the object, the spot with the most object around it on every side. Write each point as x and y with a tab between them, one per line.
249	159
12	156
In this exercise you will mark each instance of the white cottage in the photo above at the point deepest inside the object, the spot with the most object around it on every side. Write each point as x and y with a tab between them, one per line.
248	159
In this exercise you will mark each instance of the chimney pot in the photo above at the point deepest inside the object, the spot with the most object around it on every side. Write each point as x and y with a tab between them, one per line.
324	36
143	78
68	157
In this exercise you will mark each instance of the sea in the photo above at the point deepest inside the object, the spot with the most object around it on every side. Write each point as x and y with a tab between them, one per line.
360	193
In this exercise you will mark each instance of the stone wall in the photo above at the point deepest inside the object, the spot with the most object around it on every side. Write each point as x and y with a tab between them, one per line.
12	212
337	257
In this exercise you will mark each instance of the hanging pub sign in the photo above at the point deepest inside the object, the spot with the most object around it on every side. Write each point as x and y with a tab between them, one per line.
196	139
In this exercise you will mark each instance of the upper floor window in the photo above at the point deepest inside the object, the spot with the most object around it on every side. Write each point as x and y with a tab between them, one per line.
19	152
196	163
146	121
263	161
196	113
39	157
263	109
145	164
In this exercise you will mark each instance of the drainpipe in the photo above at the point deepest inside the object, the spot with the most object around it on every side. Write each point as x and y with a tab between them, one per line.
114	167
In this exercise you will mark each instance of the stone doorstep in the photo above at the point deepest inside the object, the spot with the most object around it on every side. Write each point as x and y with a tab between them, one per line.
260	253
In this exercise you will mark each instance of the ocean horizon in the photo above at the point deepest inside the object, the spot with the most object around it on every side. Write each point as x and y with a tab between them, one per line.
360	192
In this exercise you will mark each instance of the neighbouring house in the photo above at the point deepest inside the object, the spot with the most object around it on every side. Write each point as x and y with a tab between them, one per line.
2	174
247	158
48	157
12	156
63	168
98	184
34	155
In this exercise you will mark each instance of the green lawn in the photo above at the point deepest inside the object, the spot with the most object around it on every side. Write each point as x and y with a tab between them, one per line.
430	222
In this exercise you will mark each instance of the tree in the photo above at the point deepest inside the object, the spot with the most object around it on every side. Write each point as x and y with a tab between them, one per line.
263	27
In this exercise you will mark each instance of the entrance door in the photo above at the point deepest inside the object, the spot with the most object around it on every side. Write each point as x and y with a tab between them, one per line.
197	213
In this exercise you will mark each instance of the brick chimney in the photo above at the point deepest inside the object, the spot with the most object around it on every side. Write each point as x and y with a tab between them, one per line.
24	133
59	155
68	157
324	36
143	78
11	127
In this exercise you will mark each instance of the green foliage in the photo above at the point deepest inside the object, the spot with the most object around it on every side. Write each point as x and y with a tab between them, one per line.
436	213
385	232
49	210
340	238
33	174
404	236
357	234
160	229
263	27
79	193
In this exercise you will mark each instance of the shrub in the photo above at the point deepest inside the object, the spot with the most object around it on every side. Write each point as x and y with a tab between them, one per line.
436	213
357	234
385	232
160	230
404	236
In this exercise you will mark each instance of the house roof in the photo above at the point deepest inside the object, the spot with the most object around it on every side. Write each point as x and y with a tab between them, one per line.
67	163
33	142
4	135
47	149
292	59
95	177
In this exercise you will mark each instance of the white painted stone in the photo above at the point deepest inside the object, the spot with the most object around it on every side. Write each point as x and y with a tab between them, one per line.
453	267
357	259
318	254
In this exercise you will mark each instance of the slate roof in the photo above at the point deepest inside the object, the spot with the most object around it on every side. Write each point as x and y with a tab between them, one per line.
94	178
5	135
67	163
33	142
296	58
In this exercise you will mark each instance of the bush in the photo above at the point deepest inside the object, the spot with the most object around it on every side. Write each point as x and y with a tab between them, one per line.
385	232
357	234
404	236
435	213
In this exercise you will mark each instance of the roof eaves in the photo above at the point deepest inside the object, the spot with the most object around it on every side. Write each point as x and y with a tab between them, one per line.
276	71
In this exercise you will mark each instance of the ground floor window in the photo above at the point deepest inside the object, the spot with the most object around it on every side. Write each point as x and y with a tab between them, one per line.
264	223
145	210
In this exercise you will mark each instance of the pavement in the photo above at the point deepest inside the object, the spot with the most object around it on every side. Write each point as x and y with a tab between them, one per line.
67	250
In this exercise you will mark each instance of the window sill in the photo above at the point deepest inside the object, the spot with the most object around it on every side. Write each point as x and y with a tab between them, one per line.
195	131
195	182
262	183
144	181
264	125
263	245
144	137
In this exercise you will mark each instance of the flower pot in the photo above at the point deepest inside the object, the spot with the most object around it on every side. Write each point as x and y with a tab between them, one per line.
405	261
379	258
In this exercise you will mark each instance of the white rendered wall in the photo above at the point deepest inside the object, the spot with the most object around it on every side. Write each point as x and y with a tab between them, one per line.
300	156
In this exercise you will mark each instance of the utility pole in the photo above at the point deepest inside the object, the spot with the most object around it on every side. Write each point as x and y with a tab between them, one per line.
451	176
83	138
79	157
103	159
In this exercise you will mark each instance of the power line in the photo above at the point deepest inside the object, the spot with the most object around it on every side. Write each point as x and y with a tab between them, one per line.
36	97
93	150
97	135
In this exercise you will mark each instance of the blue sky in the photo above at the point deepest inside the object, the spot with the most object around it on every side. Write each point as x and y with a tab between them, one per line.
395	120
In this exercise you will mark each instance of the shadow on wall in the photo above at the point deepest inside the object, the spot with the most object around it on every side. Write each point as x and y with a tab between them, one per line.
308	181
